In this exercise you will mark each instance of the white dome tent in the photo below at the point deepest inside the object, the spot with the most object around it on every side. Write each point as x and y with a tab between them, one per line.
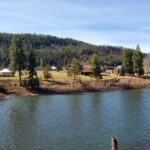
6	73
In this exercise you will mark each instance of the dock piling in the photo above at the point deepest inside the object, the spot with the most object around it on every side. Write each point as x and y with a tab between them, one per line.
114	144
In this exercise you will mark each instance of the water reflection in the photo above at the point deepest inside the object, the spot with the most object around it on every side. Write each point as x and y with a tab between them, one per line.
23	123
84	122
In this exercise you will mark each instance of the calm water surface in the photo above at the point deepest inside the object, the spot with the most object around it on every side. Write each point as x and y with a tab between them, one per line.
76	122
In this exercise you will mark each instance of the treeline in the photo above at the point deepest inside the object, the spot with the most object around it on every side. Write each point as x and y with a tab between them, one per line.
19	61
58	51
132	62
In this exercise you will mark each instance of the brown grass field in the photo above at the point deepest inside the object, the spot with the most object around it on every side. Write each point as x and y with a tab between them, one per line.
62	76
62	84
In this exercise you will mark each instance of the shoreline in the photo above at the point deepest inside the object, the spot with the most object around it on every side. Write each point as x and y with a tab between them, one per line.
12	88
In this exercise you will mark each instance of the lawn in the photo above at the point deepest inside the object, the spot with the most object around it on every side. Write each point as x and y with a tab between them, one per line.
62	76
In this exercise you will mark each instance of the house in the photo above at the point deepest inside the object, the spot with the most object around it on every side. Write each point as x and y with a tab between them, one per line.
87	70
146	71
117	70
6	73
109	71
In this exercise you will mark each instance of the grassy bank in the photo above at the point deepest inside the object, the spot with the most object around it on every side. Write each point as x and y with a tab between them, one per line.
64	86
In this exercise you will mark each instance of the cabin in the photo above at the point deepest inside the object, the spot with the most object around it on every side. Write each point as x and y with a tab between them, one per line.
117	70
147	71
6	73
87	70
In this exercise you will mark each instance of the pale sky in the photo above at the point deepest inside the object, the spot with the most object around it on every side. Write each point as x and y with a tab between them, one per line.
101	22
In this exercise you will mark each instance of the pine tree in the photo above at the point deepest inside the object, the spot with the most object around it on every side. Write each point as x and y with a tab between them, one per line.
146	63
127	62
13	55
122	71
33	78
76	68
17	56
95	64
138	61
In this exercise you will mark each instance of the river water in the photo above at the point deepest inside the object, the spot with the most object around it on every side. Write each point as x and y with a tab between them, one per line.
77	121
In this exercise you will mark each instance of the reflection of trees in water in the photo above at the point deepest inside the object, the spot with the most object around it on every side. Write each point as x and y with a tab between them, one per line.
85	113
83	105
95	110
130	114
95	100
131	101
31	103
75	109
23	123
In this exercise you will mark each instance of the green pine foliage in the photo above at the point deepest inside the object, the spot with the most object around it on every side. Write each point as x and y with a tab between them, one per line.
56	51
17	56
96	66
127	62
13	54
138	61
76	68
33	78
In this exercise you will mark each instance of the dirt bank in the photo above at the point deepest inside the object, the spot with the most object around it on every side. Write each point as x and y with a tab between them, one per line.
8	88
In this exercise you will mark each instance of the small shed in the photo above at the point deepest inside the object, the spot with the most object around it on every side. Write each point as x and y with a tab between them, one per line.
6	73
53	68
87	70
109	71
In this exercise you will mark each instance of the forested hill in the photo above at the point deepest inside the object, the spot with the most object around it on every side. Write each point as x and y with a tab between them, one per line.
58	51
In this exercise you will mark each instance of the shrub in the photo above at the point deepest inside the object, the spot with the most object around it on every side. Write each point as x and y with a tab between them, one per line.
47	75
32	82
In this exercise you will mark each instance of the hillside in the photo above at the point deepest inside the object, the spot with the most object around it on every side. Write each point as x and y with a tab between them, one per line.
58	51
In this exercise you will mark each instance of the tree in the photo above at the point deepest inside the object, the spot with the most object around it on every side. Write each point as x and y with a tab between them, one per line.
4	57
20	60
13	55
33	78
96	68
127	62
47	75
76	68
122	71
138	61
17	56
146	63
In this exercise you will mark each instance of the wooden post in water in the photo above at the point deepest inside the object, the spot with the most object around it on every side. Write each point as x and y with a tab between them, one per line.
114	144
